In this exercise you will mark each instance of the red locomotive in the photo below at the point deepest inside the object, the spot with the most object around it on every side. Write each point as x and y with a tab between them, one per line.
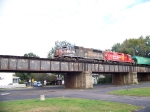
75	53
118	57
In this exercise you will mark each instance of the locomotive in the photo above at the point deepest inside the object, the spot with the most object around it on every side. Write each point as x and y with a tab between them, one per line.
116	57
74	53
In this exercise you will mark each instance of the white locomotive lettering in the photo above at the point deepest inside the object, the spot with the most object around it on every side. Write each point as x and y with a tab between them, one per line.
116	57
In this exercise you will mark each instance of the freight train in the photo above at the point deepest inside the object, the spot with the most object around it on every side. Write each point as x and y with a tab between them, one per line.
74	53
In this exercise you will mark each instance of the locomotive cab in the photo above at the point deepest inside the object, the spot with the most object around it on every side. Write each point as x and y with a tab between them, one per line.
66	52
130	59
116	57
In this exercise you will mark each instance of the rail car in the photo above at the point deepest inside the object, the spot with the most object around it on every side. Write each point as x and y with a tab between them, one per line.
139	60
76	53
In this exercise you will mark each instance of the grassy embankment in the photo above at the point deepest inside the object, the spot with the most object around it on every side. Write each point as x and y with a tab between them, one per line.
65	105
145	91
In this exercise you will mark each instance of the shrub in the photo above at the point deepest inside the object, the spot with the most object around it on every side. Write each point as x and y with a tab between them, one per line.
104	80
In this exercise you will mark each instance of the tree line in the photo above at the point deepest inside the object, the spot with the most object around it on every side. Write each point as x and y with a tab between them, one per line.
134	46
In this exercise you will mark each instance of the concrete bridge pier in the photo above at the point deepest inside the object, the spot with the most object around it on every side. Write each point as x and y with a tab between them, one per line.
124	78
80	80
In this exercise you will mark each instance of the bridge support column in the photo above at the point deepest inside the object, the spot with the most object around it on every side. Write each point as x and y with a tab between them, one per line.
81	80
125	78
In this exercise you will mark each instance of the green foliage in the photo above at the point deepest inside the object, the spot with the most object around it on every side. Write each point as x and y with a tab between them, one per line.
21	82
65	105
52	78
58	44
116	47
24	76
139	46
44	76
104	80
31	55
40	76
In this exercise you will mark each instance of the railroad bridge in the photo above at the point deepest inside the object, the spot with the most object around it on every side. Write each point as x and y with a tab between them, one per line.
78	74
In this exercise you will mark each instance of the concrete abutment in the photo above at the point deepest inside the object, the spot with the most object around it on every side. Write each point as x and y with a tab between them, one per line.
79	80
83	80
124	78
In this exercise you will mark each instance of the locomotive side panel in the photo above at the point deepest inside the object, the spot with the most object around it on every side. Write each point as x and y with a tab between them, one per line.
91	54
79	52
113	56
68	51
128	59
98	55
88	53
83	52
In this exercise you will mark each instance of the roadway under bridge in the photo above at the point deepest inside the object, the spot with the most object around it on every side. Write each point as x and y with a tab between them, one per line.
78	74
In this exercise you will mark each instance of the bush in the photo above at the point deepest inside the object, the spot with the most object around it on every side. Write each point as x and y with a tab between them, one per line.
104	80
21	82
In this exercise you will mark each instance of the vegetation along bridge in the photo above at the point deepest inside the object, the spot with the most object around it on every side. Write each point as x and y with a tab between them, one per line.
78	74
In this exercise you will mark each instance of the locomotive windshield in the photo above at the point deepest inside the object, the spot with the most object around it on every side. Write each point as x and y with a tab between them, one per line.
64	47
97	50
68	47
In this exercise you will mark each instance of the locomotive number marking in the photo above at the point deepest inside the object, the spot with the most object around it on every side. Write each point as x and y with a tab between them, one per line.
116	57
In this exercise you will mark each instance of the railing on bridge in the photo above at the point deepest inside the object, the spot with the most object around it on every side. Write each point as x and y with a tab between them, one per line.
26	64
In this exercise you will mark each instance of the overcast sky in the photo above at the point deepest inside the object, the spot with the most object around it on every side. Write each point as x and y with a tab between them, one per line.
34	25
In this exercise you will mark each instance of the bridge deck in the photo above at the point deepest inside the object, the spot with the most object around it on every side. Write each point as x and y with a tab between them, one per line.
27	64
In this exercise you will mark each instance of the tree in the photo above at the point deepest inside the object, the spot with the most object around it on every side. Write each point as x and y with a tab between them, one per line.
58	44
24	76
116	47
41	76
52	77
31	55
44	76
147	45
139	46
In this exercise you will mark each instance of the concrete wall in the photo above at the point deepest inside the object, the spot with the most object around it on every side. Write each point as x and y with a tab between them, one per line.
82	80
124	78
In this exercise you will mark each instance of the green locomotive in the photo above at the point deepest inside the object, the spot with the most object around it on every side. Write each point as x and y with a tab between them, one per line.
139	60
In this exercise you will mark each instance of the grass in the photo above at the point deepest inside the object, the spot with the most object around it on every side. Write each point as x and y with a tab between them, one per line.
65	105
145	91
